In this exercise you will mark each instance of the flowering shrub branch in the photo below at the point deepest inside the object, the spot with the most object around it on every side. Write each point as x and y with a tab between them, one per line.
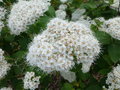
59	45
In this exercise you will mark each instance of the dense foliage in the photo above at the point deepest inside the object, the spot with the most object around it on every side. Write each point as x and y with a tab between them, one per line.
16	47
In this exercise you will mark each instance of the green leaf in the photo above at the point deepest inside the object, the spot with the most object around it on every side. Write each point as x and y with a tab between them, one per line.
114	52
42	22
67	86
51	11
94	87
24	41
107	59
9	38
19	54
82	84
103	37
39	25
84	76
88	5
104	71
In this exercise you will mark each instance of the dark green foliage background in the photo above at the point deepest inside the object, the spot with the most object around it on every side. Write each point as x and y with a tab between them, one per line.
16	48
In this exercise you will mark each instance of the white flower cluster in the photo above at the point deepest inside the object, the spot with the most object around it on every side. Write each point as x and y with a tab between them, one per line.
30	81
78	13
2	16
63	7
6	88
113	79
25	13
70	76
1	0
115	4
4	66
78	16
2	13
55	48
101	26
86	21
61	13
112	27
63	1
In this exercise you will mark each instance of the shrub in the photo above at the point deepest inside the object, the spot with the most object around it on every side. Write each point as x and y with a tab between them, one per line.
59	44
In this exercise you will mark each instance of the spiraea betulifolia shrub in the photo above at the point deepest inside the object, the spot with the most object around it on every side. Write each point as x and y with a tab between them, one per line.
59	45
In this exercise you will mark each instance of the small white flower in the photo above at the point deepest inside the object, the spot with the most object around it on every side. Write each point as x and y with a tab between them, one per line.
2	16
63	1
62	7
86	21
115	4
70	76
78	13
6	88
2	13
60	14
112	27
113	79
30	81
4	66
